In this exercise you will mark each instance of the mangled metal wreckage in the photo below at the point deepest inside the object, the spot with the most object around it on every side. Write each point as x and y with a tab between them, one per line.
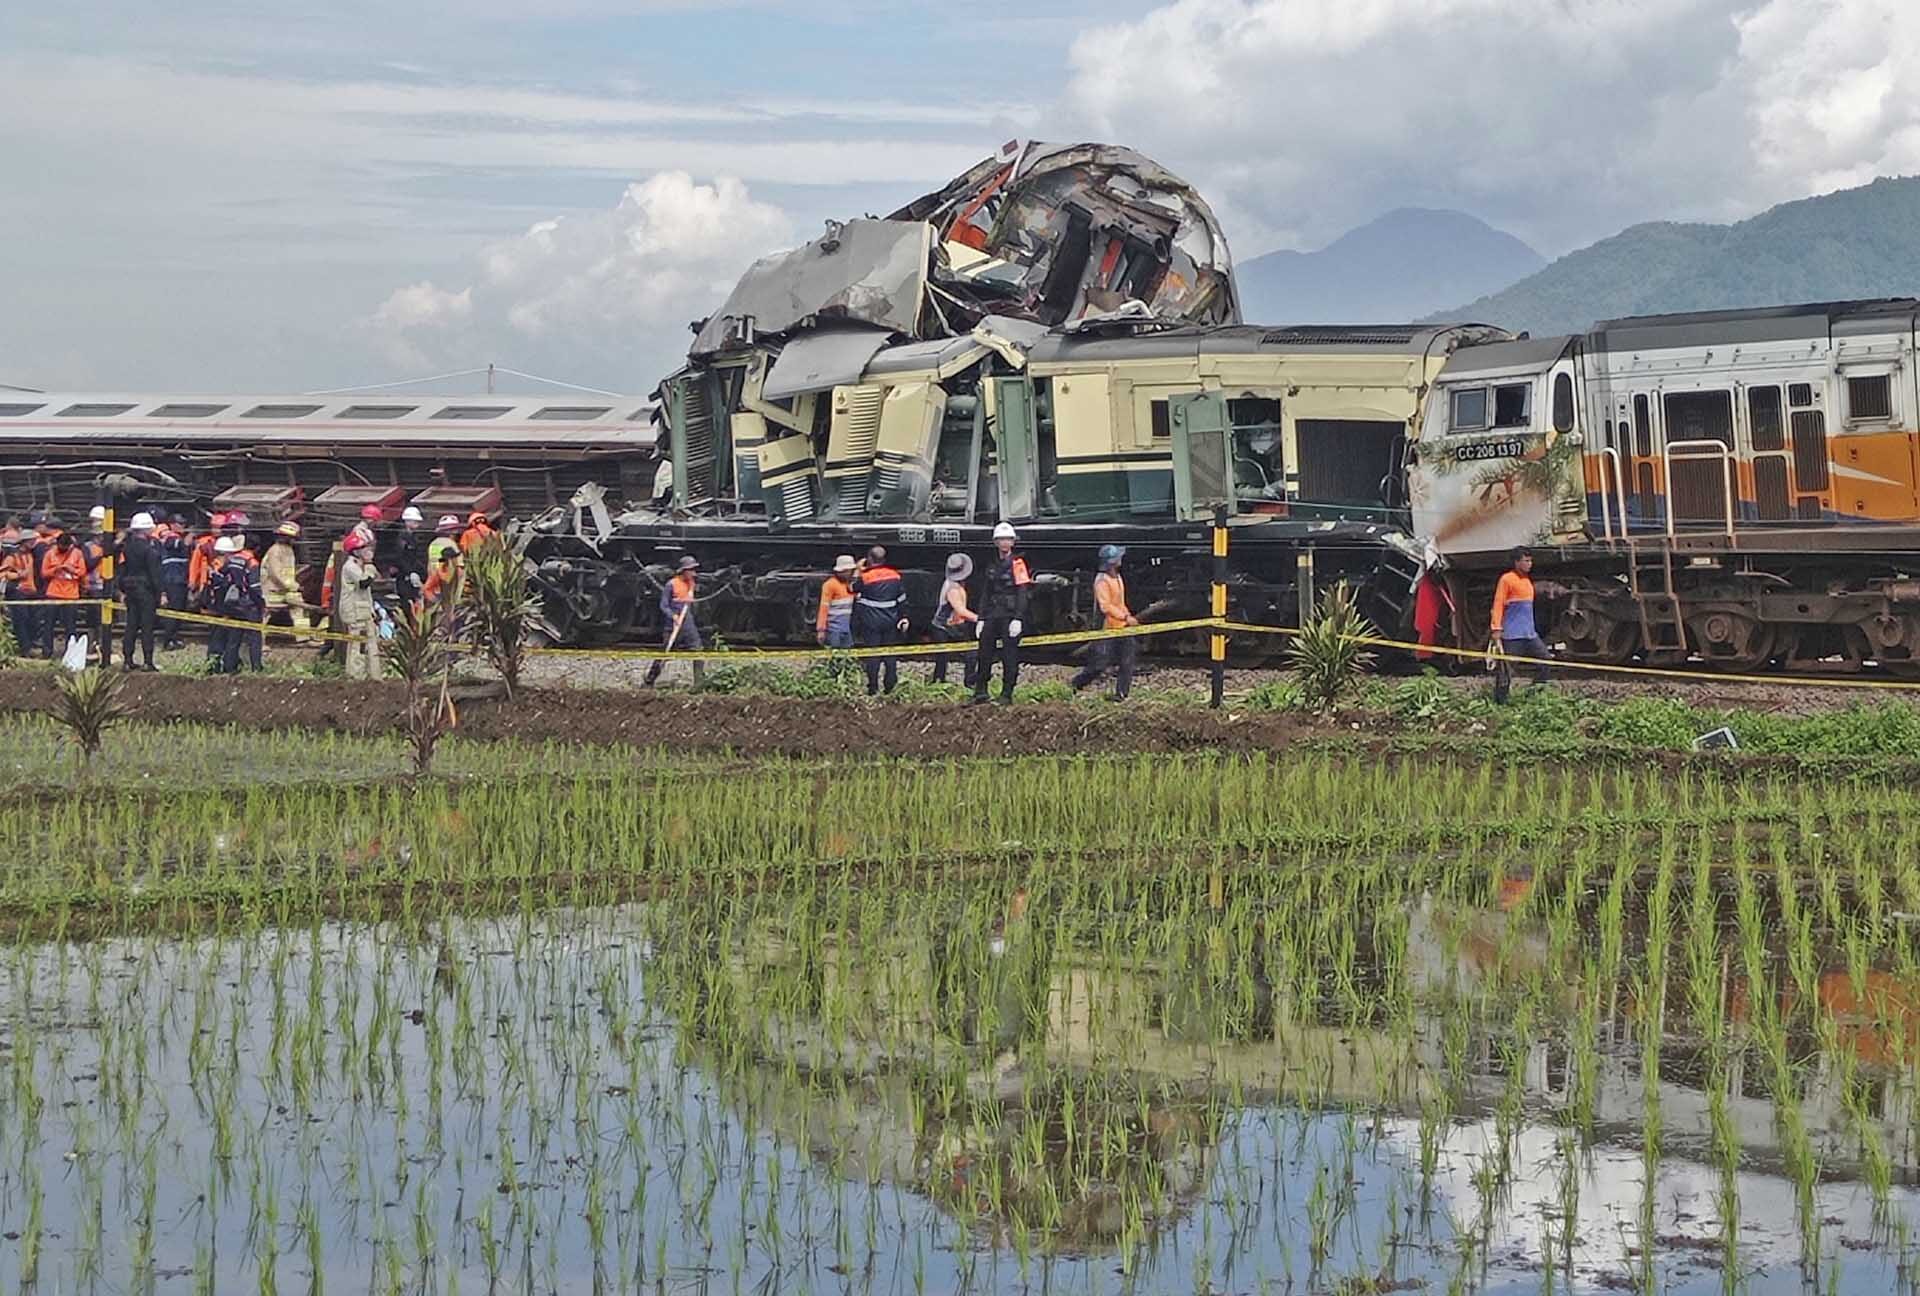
1052	339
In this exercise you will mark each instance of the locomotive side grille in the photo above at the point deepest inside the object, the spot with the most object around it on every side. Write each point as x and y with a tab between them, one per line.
696	427
1810	450
796	498
1770	488
852	437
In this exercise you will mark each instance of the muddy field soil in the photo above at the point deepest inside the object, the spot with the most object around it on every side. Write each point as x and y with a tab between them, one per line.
751	725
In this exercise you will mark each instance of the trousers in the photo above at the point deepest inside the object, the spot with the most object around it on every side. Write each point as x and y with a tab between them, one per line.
1533	649
363	655
142	619
996	637
174	598
969	662
1103	655
234	643
58	619
883	673
688	640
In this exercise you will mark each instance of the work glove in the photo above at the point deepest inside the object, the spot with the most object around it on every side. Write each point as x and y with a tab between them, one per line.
1013	628
901	625
979	628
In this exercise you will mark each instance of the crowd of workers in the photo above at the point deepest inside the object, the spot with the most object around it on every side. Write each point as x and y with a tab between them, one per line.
863	604
54	581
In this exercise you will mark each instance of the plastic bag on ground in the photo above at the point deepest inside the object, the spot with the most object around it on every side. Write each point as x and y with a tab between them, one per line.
75	657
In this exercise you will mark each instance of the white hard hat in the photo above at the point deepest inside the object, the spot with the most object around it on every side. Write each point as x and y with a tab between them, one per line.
97	512
411	514
141	522
1005	531
227	545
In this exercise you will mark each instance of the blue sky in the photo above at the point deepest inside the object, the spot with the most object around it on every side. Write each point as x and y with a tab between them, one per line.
213	195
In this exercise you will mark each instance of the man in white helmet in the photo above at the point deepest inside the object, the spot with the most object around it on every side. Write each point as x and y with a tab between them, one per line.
1003	611
140	576
409	571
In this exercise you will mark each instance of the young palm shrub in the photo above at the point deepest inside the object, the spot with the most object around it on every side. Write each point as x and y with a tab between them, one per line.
422	652
90	704
1327	657
502	611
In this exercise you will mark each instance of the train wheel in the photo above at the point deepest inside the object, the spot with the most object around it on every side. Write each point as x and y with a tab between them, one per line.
1731	640
1593	636
1894	641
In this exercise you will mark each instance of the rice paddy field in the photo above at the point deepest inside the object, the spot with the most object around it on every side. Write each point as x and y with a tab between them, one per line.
1328	1020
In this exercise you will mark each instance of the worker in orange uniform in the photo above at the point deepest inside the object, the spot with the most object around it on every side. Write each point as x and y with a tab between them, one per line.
1110	596
1514	626
17	582
953	620
63	574
676	610
476	534
833	626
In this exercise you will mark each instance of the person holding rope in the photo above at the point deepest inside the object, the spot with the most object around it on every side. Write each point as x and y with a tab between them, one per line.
676	607
1110	595
1515	633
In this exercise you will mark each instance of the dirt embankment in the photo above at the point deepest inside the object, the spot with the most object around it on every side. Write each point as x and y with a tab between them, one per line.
749	725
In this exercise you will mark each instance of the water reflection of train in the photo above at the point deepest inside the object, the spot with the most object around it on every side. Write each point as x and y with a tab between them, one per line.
1015	1021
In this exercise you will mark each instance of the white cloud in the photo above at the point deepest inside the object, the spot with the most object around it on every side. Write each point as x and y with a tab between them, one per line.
617	287
1565	121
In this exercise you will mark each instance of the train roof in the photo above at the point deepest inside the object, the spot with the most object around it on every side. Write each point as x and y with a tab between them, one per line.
1755	324
1251	339
583	423
1526	354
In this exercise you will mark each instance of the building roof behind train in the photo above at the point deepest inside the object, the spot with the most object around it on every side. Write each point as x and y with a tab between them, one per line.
576	423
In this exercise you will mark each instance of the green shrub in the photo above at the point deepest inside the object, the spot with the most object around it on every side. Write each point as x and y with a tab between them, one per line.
1327	658
1429	699
1654	722
1276	695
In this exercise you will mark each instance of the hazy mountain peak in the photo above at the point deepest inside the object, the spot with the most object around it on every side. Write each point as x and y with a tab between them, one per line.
1398	266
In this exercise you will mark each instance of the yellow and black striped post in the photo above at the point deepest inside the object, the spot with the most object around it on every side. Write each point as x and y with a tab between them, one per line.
1218	645
106	585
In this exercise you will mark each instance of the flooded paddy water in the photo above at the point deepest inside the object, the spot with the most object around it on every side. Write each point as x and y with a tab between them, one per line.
1336	1024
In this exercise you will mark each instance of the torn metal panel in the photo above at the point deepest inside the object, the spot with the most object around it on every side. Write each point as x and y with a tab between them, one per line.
822	360
866	271
1055	232
939	359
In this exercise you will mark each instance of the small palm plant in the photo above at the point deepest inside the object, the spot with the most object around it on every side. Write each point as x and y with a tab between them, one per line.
1327	657
502	612
422	652
90	704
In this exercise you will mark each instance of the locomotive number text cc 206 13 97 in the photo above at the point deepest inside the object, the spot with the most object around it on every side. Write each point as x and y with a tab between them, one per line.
1510	448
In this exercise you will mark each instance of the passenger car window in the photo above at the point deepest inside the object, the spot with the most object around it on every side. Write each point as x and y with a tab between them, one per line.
1469	410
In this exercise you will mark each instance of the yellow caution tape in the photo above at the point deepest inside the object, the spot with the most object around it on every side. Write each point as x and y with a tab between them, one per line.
1569	663
912	650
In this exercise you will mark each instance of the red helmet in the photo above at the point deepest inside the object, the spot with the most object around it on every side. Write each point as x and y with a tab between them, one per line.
373	513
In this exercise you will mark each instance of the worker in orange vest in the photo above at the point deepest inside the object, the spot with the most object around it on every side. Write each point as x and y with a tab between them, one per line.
676	610
833	627
63	573
953	620
1110	596
1513	625
17	582
476	533
879	616
1003	612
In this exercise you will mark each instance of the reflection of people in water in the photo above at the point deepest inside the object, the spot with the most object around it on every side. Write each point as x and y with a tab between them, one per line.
991	985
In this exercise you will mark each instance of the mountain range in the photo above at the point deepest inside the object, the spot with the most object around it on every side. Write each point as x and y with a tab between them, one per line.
1423	264
1852	243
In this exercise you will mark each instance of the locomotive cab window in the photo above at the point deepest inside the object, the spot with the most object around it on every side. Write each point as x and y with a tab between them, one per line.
1513	405
1469	410
1870	398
